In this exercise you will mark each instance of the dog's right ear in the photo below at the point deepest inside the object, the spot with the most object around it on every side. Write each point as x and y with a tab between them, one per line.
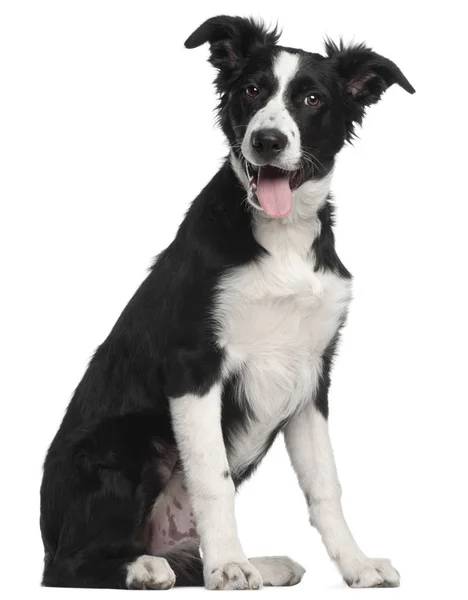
231	40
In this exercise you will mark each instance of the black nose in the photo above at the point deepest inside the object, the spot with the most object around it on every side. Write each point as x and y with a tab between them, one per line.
268	143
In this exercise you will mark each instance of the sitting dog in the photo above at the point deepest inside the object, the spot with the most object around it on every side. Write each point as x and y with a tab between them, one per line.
227	343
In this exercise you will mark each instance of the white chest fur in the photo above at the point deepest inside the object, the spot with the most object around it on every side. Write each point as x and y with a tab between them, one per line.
275	319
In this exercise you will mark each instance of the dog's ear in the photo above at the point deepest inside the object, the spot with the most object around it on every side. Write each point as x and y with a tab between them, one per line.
231	40
366	74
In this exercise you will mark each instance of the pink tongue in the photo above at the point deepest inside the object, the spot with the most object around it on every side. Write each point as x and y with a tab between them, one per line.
273	192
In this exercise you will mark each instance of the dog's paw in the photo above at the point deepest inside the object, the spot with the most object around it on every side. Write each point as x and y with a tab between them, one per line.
370	572
150	573
233	576
278	570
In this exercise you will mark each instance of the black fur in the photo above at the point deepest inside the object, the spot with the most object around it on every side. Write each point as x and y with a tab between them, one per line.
321	395
101	474
326	258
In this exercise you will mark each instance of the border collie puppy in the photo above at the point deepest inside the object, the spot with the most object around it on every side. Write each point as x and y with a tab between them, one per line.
227	343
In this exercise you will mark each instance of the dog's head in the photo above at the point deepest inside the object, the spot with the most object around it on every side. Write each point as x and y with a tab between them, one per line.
287	112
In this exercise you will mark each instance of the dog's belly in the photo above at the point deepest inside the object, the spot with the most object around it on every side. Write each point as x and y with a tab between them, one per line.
171	521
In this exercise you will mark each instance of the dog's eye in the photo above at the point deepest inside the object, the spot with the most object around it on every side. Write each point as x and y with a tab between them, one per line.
252	91
313	100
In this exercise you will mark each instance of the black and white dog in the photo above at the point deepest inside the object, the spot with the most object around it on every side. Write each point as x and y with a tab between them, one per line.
228	342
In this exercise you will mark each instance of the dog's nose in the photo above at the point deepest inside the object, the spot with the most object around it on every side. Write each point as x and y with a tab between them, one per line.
268	143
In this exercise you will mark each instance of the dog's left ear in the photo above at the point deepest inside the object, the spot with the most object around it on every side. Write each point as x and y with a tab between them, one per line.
366	74
231	40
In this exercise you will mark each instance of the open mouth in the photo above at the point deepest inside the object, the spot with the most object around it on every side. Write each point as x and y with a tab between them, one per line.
272	188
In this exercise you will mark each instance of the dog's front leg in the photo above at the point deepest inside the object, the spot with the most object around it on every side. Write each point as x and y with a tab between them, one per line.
309	447
197	428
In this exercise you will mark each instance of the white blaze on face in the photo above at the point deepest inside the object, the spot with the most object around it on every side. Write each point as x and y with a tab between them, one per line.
275	115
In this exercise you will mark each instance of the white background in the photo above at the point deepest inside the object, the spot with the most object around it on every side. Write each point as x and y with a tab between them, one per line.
107	134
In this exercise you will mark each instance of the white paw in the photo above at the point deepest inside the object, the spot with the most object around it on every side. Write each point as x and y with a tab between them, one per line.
278	570
233	576
150	573
370	572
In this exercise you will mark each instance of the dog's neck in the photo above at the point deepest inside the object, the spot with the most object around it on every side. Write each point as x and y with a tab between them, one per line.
307	198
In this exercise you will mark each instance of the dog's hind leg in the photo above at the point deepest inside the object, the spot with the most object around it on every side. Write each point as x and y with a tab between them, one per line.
278	571
142	572
97	498
181	566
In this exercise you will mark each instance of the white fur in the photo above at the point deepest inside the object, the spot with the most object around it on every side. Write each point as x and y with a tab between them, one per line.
233	576
275	318
150	572
275	115
309	447
197	427
278	570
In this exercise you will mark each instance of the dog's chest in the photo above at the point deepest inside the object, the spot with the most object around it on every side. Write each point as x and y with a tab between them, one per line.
275	319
